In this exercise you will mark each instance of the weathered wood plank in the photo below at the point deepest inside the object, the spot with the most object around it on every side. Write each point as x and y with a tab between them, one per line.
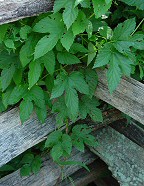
82	177
49	173
131	131
16	138
124	158
12	10
128	97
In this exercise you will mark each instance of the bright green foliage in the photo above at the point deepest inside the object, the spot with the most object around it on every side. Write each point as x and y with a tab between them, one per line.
100	7
81	135
89	106
67	58
139	4
26	108
31	164
46	66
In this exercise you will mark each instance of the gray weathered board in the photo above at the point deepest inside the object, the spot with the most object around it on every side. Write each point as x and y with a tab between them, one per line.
124	158
12	10
16	138
129	96
49	173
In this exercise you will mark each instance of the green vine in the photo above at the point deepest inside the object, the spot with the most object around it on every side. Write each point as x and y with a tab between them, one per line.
48	64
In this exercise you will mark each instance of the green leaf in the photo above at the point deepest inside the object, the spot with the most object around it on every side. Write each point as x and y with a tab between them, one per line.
91	52
72	102
139	4
92	80
123	30
27	158
58	4
56	152
89	29
67	143
108	1
27	50
53	138
9	43
96	115
17	77
113	75
77	47
67	58
53	26
124	63
100	7
25	170
6	168
70	14
76	80
24	31
17	94
103	56
34	73
6	76
26	108
60	108
91	141
59	86
36	164
36	94
85	3
79	145
3	30
67	39
80	24
45	45
78	2
49	61
6	59
41	113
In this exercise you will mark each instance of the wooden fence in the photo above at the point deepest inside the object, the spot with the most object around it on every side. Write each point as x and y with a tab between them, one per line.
121	147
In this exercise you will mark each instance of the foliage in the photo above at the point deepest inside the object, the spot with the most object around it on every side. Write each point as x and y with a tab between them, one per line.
48	64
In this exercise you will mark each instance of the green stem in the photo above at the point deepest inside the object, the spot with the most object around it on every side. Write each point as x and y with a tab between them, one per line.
137	27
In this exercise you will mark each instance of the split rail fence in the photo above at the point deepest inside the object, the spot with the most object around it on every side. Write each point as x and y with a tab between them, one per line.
121	146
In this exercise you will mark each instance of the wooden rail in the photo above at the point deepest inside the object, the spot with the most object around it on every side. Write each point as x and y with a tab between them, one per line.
16	138
13	10
124	158
129	96
49	173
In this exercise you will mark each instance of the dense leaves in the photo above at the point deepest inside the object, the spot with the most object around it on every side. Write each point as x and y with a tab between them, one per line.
48	65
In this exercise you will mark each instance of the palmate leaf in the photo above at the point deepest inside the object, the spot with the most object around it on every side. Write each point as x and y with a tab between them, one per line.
67	143
77	81
103	56
56	151
139	4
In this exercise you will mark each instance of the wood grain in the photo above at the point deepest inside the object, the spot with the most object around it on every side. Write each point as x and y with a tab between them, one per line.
128	97
49	173
13	10
16	138
124	158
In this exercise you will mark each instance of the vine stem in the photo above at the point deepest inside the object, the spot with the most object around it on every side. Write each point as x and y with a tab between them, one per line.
137	27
